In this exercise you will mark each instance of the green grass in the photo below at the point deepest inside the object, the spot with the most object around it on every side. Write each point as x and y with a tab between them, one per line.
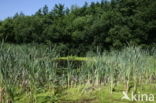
32	74
73	58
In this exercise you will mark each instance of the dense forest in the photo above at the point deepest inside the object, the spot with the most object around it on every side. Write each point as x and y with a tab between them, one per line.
103	25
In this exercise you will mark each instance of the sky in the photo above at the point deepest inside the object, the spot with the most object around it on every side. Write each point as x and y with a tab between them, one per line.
8	8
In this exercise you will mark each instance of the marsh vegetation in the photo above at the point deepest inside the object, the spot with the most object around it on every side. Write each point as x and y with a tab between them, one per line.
32	74
88	54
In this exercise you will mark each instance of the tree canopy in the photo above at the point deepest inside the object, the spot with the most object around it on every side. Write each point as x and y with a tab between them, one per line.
105	24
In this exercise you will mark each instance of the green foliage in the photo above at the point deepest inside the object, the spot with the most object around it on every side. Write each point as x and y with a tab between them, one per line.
28	74
58	10
105	24
45	10
73	58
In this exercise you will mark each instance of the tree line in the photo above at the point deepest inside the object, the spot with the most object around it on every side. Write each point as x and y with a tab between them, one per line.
104	25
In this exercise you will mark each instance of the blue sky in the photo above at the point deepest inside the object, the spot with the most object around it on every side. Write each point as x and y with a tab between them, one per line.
28	7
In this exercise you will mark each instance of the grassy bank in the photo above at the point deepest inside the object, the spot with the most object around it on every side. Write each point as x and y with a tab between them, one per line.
35	74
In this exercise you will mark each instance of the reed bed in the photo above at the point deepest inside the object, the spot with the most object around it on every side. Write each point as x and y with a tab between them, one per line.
29	72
